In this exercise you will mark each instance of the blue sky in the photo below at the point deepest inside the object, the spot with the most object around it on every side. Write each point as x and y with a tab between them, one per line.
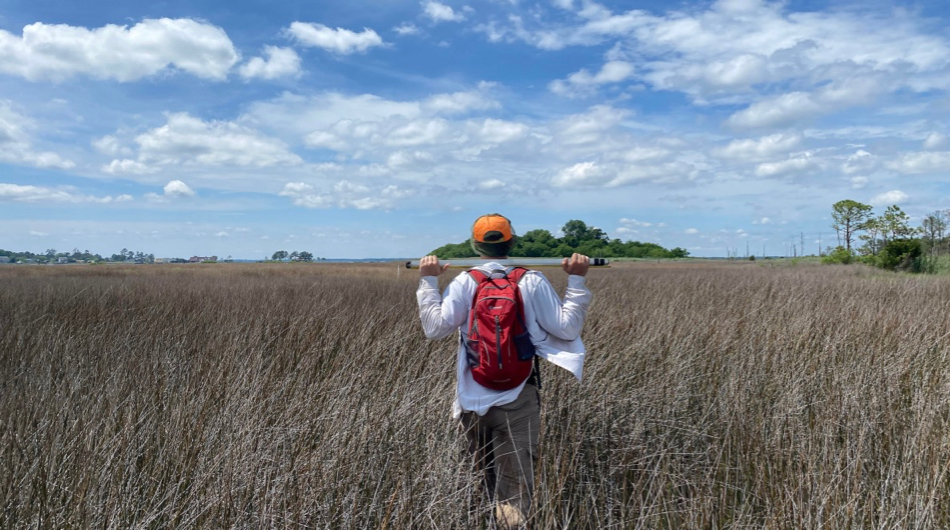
382	129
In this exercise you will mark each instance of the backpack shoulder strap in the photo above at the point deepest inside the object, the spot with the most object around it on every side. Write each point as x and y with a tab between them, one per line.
477	275
517	273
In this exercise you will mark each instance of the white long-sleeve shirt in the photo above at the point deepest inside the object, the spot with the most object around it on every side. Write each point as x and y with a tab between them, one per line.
554	327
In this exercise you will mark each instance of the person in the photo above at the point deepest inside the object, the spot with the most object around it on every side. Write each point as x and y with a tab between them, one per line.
501	426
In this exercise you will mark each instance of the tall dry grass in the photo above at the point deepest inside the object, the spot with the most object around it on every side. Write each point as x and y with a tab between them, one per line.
306	396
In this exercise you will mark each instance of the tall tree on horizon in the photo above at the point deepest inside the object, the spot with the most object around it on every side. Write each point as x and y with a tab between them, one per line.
849	217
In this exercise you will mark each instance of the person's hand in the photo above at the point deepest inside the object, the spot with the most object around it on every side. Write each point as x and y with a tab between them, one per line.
578	265
429	266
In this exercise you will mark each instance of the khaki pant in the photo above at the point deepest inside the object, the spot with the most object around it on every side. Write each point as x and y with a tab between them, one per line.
504	443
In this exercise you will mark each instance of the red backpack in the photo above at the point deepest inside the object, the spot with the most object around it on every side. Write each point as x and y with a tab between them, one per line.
499	350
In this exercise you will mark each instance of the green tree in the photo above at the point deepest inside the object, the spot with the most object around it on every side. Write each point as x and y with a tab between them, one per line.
280	255
575	231
848	217
305	256
897	223
933	227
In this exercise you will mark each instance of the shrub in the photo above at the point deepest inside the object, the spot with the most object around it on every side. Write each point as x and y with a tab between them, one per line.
838	255
901	254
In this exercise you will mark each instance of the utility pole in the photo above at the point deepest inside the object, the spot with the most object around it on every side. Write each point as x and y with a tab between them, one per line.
801	235
819	244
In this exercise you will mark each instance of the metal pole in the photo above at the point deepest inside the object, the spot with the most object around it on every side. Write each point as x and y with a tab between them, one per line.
510	262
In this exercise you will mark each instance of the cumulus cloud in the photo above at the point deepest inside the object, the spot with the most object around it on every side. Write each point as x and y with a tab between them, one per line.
763	148
439	12
858	183
750	52
691	231
41	194
122	53
776	111
798	164
921	162
583	82
280	62
406	29
111	145
186	140
612	174
16	144
491	184
935	141
339	40
175	189
460	102
859	162
889	198
128	167
633	222
344	194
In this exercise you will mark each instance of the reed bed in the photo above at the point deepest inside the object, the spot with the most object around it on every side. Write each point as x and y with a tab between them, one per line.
248	396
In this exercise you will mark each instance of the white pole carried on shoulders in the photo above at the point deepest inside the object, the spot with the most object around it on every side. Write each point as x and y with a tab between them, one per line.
510	262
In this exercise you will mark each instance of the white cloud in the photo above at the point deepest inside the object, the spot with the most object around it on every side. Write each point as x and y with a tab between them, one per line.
406	29
492	184
858	183
280	62
860	162
58	51
439	12
748	52
36	233
582	174
16	145
186	140
111	145
128	167
339	40
460	102
582	82
762	221
922	162
633	222
344	194
935	141
41	194
792	165
174	190
765	147
889	198
691	231
776	111
177	188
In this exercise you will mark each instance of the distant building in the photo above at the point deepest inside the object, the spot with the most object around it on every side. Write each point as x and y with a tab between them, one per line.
199	259
4	259
62	260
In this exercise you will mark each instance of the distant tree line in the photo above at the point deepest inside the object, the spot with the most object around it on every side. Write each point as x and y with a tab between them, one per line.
578	237
888	240
51	256
282	255
76	256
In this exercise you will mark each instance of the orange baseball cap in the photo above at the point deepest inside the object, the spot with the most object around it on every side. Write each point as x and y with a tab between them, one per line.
492	228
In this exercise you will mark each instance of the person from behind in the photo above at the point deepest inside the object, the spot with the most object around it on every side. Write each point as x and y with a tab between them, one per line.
507	318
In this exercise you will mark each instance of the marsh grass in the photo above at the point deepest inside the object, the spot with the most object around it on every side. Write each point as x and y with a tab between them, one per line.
715	396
